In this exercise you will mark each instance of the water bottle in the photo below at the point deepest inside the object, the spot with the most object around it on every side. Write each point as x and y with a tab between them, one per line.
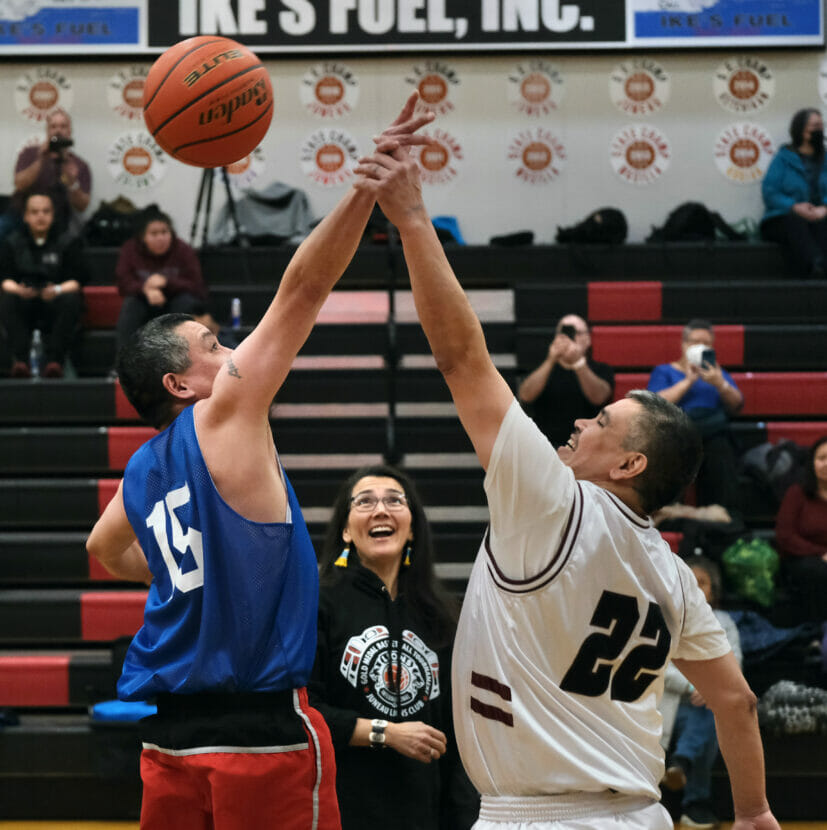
235	313
36	353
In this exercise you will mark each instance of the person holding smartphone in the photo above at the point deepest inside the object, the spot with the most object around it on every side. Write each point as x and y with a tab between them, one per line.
568	384
708	394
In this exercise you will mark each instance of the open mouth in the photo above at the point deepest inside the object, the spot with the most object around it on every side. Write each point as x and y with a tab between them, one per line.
381	532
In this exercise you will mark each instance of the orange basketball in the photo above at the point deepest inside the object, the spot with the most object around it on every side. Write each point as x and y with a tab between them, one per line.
208	101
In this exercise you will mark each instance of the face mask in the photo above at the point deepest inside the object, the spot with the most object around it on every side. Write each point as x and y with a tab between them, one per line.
694	352
817	138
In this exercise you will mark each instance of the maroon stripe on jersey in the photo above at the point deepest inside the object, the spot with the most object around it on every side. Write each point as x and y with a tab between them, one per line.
492	712
503	578
483	681
628	512
567	542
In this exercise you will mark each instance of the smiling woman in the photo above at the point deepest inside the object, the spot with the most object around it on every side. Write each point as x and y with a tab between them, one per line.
382	672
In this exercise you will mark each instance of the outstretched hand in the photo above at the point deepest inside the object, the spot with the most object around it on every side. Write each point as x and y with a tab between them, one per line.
392	178
403	131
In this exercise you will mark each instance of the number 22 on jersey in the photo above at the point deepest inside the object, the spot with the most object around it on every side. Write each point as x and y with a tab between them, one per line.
593	670
182	542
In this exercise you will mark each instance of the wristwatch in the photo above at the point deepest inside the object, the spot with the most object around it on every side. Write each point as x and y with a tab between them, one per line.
377	733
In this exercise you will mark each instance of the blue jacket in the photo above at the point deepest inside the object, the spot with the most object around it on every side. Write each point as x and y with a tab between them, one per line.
786	183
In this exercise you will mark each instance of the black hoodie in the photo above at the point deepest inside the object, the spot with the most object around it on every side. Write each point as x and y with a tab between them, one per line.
360	629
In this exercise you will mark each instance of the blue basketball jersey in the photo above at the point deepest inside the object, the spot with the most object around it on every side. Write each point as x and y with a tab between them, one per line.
232	606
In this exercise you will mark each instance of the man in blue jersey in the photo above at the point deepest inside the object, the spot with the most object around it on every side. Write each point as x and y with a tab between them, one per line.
206	516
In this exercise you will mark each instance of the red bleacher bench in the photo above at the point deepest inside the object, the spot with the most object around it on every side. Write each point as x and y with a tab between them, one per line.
765	393
103	305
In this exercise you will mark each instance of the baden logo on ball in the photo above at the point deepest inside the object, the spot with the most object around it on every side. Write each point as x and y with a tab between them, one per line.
208	101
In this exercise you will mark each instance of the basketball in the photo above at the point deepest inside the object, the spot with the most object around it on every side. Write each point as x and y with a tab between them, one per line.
208	101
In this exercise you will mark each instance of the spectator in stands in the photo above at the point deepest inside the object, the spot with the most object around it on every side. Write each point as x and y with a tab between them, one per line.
801	534
795	193
707	393
688	725
52	168
43	272
382	676
157	273
568	384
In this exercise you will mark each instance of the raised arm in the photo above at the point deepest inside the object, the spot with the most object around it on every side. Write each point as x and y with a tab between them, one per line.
480	393
727	694
260	364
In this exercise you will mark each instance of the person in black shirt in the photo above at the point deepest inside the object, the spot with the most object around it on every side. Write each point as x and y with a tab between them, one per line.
42	273
568	384
382	676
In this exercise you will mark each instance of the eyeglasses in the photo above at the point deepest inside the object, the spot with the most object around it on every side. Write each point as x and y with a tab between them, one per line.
367	503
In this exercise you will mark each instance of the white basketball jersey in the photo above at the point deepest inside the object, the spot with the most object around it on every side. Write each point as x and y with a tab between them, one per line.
574	607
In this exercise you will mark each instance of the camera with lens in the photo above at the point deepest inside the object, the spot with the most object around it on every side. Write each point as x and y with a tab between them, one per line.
59	142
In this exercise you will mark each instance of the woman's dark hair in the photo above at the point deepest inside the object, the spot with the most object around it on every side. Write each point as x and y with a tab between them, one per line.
809	482
152	351
798	124
428	600
152	214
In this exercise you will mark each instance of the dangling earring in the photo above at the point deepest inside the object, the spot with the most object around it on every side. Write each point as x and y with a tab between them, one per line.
341	562
407	560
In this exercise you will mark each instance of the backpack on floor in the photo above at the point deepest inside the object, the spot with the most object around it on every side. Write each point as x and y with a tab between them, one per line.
693	222
605	226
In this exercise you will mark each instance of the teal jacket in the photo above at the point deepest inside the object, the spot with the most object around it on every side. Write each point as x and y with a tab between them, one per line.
786	183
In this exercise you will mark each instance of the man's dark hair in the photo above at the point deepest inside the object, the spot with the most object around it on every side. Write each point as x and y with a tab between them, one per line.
809	482
694	324
31	193
155	349
798	124
672	446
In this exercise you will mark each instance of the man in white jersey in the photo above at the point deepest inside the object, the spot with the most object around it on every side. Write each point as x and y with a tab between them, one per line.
575	603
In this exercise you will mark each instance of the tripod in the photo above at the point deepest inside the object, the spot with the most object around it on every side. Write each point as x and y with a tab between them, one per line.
203	207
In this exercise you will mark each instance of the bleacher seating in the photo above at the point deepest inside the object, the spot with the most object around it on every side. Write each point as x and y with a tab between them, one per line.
358	392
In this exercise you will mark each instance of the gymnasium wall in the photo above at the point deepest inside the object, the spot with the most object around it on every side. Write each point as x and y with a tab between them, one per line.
484	122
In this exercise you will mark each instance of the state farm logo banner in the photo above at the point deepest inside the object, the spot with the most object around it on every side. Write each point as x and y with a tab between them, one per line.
743	84
135	161
246	170
439	161
436	83
536	156
329	90
41	90
328	157
125	92
640	154
639	87
536	87
743	152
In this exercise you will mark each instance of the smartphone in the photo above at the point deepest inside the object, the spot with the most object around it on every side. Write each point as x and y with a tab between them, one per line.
570	332
708	357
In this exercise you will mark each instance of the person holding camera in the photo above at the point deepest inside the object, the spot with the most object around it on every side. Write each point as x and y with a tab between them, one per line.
708	394
52	168
568	384
42	271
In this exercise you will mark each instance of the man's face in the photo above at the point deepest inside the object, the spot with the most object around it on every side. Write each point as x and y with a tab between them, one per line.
38	215
59	124
207	356
596	445
582	336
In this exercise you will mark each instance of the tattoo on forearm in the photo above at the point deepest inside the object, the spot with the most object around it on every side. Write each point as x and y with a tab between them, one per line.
232	369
